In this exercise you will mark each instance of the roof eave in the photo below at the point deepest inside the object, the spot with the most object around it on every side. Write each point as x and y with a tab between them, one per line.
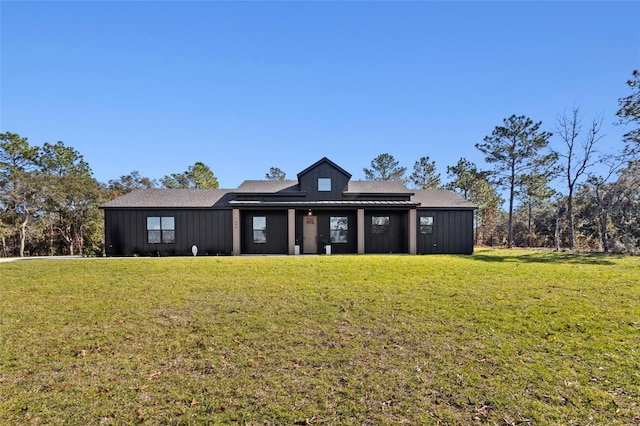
272	194
386	194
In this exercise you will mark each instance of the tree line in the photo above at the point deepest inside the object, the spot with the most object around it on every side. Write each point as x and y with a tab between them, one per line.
49	200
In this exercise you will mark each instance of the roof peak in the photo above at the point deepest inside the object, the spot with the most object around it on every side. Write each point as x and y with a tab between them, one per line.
321	161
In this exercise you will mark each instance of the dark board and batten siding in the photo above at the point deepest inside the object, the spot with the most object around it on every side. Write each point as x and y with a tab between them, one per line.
452	232
277	237
324	230
210	230
309	183
395	240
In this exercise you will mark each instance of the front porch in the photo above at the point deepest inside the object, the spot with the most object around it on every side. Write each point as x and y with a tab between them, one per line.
349	231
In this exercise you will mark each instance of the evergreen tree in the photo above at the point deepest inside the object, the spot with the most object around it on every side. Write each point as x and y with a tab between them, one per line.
21	188
424	174
275	174
516	150
385	168
629	113
197	176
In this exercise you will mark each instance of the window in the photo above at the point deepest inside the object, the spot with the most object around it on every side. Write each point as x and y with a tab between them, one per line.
154	232
324	184
380	224
161	230
168	229
426	225
259	229
339	226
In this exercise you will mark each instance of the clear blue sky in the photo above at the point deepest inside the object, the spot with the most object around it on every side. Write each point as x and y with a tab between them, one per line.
243	86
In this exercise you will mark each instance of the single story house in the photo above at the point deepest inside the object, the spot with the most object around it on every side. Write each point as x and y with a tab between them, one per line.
323	206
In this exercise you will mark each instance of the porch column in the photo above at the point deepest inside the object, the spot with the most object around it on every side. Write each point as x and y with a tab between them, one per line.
413	231
236	232
291	227
360	231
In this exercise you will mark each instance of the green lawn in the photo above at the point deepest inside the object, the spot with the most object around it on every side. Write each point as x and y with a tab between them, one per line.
500	337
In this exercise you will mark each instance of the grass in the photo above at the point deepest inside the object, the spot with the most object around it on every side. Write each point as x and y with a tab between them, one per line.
500	337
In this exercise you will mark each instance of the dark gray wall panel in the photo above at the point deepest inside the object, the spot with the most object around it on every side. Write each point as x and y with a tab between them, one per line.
452	232
210	230
395	241
277	234
309	183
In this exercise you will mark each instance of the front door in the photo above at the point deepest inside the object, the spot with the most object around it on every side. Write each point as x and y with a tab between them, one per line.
310	234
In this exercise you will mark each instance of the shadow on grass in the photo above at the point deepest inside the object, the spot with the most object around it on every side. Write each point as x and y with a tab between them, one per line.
548	257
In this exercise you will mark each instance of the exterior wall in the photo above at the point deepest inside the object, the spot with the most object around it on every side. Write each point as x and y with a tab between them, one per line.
126	232
276	232
452	232
394	241
324	232
211	230
309	183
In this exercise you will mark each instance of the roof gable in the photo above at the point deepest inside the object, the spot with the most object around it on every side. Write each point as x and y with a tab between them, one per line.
323	161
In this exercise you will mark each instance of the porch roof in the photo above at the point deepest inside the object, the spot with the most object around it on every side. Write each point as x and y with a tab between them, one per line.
323	203
367	187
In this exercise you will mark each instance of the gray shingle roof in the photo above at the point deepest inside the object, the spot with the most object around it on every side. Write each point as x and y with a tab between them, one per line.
267	186
377	187
441	198
169	198
203	198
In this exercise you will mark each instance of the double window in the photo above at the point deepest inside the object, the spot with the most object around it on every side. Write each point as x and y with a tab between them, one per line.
379	225
161	230
259	229
339	225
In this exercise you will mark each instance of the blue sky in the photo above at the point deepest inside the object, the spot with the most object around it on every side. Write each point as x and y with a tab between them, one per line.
243	86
